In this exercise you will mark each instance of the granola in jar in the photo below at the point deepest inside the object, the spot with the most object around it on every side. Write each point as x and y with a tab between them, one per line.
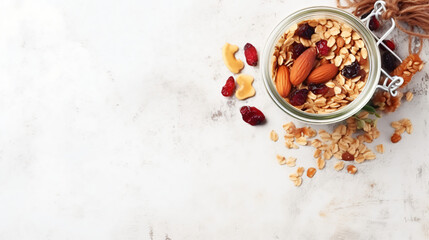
320	65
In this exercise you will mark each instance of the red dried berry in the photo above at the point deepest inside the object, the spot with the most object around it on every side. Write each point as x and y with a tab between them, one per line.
298	97
252	115
305	31
374	24
297	50
320	88
229	87
390	44
322	47
346	156
251	54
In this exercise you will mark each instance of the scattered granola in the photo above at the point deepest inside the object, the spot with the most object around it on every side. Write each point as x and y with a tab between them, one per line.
310	172
395	138
300	171
281	160
402	125
351	169
338	166
341	143
409	96
274	136
380	148
320	163
291	162
296	177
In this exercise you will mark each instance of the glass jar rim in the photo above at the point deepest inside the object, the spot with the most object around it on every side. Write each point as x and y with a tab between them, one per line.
373	58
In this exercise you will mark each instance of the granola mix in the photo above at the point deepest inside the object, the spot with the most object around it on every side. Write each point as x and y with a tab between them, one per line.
317	89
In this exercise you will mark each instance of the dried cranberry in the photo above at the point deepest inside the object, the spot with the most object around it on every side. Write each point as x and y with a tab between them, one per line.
390	44
322	47
305	31
389	62
297	50
352	70
346	156
374	24
298	97
320	88
252	115
229	87
251	54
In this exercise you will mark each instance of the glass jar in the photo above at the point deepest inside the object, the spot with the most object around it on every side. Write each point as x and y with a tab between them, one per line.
374	60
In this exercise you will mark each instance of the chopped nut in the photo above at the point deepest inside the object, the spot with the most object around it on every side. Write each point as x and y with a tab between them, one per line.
339	165
351	169
310	172
395	138
273	135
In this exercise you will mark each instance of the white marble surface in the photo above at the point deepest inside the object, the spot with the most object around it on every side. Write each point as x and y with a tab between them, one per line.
112	126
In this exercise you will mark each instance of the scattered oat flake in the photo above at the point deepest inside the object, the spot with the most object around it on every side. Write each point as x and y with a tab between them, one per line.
274	136
301	141
409	96
300	171
339	165
293	176
298	182
281	160
291	162
320	163
380	148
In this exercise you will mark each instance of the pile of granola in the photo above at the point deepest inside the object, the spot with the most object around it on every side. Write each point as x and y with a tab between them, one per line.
347	143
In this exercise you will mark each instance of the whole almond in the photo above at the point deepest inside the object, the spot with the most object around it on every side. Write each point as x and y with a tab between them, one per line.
283	84
302	66
323	73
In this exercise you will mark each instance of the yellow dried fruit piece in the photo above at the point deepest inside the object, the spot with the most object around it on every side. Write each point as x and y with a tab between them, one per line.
245	89
228	53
